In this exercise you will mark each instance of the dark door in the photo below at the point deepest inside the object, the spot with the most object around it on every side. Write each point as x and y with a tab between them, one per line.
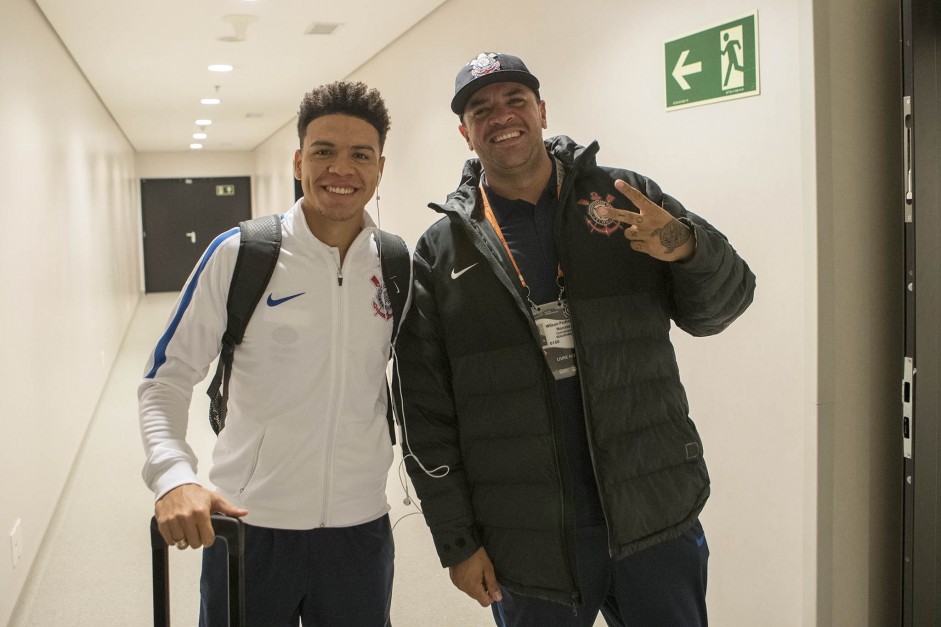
181	217
921	389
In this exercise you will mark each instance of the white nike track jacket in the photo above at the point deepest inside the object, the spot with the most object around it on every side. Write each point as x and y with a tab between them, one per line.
306	442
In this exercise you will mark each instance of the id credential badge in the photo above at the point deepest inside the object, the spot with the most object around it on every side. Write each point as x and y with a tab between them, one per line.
558	342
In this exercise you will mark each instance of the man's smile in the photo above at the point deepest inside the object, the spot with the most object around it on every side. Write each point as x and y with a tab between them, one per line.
339	190
506	136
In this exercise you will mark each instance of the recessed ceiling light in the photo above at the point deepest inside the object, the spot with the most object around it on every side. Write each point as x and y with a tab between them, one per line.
220	68
200	136
210	101
203	122
196	146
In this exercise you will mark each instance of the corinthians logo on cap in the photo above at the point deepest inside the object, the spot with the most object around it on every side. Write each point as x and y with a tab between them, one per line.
484	64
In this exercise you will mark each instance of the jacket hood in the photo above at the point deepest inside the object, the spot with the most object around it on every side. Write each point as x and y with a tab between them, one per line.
463	199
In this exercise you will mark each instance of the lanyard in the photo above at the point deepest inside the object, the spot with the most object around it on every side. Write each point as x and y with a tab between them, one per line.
492	219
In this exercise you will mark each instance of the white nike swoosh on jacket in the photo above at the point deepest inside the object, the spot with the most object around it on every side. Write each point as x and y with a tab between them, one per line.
455	274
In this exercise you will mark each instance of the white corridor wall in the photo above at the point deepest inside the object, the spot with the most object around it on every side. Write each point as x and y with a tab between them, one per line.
69	271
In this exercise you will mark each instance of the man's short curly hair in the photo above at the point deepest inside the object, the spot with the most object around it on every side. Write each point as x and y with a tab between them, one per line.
346	98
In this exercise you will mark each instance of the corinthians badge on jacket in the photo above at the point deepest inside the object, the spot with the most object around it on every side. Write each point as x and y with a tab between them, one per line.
605	226
381	303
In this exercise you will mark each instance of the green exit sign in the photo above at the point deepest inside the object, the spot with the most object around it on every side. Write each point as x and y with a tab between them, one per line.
225	190
715	64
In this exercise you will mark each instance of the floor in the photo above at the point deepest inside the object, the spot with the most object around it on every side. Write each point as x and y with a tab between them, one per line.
94	566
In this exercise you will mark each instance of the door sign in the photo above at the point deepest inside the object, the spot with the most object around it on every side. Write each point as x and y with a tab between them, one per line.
715	64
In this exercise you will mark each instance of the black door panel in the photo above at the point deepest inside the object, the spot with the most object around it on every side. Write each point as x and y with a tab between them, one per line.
181	217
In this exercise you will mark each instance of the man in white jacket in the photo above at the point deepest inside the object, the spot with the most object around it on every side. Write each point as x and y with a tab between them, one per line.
306	447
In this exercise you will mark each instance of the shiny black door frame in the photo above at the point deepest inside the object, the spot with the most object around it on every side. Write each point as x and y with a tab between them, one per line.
921	390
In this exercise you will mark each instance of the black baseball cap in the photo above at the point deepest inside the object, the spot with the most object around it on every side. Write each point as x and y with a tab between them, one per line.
487	68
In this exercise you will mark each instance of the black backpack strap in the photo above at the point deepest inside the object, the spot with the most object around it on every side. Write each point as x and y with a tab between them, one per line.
396	274
397	278
258	255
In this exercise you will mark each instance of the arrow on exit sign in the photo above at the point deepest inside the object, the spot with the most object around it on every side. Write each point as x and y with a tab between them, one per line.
681	71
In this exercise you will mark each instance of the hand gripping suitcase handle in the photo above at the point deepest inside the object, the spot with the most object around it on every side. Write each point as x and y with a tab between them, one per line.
232	531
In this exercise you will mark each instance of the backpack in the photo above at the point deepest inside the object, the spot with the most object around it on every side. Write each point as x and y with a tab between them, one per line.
257	257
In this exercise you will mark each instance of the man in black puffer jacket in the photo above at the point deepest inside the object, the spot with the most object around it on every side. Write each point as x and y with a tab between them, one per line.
546	429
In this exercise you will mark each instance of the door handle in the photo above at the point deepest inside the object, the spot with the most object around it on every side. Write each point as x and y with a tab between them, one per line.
907	159
192	236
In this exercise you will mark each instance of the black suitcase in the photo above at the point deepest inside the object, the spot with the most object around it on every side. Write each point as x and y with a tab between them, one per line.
232	532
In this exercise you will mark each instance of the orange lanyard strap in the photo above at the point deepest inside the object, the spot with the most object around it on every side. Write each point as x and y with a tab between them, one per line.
492	219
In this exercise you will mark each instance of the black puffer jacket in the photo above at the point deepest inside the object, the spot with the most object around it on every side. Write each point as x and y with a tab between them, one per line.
477	392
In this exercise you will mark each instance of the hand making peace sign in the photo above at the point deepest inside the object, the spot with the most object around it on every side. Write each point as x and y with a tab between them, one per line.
654	230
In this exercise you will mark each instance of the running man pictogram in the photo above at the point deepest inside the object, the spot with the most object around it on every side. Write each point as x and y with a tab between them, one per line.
731	45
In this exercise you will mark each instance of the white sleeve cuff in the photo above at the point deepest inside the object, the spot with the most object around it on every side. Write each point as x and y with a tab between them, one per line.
180	473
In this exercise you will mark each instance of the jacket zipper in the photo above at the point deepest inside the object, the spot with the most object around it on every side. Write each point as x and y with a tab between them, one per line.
560	246
339	340
564	190
334	410
251	474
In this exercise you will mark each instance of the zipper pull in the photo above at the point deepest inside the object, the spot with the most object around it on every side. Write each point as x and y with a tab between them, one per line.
340	278
575	600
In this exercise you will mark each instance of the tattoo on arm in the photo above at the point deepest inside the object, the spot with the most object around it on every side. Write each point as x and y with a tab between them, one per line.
673	235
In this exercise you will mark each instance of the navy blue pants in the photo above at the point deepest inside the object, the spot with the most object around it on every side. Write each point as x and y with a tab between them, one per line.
661	586
329	577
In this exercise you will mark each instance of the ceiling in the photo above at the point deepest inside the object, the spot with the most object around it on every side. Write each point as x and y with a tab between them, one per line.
148	60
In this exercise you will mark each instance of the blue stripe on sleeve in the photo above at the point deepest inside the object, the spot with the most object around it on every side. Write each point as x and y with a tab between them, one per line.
160	353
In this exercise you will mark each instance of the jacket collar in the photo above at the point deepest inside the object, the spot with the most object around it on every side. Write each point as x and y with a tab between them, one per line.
463	200
295	223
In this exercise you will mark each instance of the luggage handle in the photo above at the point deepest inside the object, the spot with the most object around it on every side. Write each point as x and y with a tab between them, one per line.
232	532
